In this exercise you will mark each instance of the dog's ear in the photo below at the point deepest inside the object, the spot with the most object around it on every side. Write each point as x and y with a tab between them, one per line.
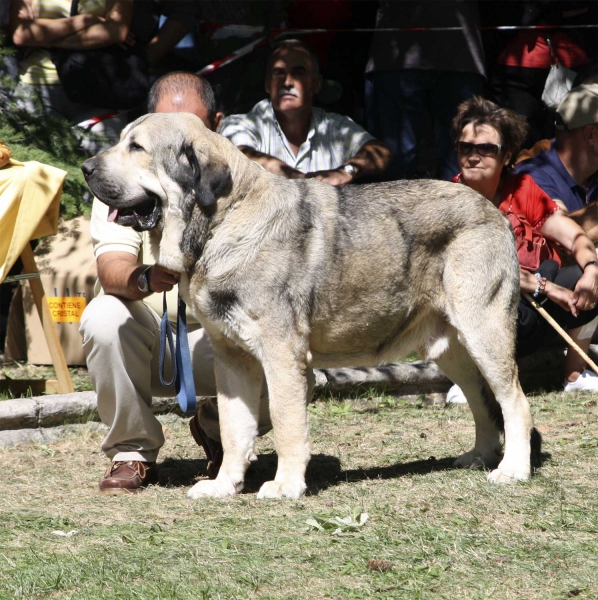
208	183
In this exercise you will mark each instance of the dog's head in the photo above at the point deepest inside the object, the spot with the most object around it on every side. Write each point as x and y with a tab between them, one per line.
162	163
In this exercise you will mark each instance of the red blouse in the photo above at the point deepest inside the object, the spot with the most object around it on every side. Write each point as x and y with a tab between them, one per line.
521	195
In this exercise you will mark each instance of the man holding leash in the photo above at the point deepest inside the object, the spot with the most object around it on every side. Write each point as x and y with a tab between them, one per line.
120	327
288	136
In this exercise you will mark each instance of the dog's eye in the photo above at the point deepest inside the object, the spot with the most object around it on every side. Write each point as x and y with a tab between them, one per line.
134	146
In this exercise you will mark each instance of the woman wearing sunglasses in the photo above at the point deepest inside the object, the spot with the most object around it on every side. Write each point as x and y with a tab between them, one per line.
487	139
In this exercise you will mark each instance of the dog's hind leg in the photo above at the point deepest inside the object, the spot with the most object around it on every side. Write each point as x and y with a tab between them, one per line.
459	368
488	334
239	380
518	423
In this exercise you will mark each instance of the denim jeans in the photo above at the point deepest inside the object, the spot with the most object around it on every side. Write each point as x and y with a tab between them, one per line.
396	103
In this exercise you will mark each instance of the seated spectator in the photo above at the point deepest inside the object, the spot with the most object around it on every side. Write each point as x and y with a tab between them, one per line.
288	136
121	328
568	170
37	25
487	138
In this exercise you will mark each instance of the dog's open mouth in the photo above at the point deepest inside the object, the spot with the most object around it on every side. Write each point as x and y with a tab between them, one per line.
142	217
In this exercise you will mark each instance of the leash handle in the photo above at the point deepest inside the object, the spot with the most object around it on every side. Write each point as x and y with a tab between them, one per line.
185	386
166	334
181	357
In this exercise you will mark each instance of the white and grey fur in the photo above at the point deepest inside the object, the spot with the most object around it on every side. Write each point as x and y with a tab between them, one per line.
286	275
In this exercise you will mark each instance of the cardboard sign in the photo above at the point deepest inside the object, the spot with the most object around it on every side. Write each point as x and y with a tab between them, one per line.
66	309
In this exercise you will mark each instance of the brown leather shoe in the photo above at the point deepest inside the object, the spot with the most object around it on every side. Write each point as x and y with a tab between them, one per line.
128	476
212	448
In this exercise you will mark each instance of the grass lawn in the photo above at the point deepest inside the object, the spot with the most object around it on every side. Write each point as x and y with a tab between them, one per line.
385	516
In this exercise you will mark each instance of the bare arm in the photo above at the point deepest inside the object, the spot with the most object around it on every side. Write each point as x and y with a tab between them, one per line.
26	30
167	37
559	295
586	218
270	163
118	273
372	159
80	31
113	29
573	238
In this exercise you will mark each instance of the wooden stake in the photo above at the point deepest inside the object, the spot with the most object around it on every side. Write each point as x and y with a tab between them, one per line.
65	382
561	331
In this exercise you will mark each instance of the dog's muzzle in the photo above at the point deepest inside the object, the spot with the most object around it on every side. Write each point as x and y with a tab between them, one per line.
142	217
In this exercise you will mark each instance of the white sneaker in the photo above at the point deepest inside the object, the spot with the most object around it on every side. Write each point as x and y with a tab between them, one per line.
586	382
456	396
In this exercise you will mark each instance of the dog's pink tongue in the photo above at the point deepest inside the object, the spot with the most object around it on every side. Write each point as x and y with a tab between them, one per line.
112	214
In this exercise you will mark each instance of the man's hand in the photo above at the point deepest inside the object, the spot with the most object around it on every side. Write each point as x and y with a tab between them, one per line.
162	279
27	11
272	164
333	177
585	294
119	275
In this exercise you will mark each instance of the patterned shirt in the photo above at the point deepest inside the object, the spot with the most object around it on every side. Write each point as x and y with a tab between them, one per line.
332	139
37	67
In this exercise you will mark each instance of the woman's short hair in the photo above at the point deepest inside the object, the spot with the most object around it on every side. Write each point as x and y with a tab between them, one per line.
512	127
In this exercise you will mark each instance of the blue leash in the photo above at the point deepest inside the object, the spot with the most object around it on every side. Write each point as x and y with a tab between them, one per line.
182	375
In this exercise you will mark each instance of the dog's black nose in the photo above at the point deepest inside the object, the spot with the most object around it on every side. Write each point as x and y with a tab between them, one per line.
88	167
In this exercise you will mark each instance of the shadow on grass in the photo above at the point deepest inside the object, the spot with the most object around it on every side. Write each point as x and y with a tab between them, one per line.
180	472
323	471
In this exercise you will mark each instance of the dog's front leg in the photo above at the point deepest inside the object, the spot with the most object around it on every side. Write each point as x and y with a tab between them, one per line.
288	389
239	380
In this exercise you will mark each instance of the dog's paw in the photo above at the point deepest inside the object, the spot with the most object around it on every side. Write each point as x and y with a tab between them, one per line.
213	488
502	475
282	489
477	460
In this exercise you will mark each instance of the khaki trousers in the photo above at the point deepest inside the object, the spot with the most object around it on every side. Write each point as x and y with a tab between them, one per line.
121	339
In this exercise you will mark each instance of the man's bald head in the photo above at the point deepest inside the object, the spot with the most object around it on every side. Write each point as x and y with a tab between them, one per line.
185	92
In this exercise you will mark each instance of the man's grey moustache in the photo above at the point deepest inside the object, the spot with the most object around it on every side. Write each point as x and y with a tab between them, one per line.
285	92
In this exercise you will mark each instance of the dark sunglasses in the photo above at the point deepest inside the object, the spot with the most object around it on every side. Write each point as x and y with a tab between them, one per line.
482	149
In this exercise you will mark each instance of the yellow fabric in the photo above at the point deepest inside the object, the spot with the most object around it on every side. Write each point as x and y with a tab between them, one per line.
29	207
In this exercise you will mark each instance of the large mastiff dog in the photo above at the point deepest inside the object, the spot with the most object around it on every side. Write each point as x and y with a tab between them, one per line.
288	275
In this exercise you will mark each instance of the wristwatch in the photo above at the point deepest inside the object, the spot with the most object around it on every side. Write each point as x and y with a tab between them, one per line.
143	280
349	169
